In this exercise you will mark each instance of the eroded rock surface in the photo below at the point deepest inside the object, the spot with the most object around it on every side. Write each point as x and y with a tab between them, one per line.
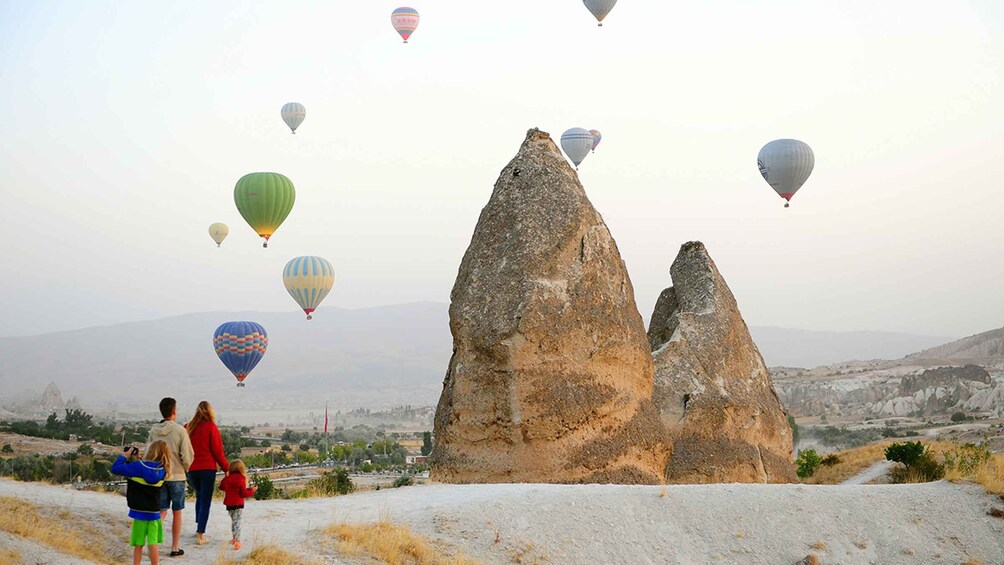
712	388
551	376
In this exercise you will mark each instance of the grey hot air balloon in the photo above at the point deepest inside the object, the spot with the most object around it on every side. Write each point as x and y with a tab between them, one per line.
293	114
600	8
786	164
576	143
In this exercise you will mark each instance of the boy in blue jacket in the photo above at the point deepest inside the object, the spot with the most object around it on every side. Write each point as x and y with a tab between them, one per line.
143	496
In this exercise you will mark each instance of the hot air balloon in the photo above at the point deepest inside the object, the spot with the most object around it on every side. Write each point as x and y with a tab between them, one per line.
577	143
293	114
597	137
308	280
264	199
240	345
786	164
218	232
600	8
405	21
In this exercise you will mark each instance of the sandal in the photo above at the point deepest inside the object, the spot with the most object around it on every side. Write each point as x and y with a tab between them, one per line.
178	553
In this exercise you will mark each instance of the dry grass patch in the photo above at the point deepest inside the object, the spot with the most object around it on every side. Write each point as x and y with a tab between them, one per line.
819	546
392	544
990	475
61	531
10	556
269	554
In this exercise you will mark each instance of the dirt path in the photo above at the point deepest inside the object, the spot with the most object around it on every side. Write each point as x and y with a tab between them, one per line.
876	470
749	524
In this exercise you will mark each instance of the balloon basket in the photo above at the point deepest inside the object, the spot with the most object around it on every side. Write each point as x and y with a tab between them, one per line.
787	204
240	385
309	317
265	245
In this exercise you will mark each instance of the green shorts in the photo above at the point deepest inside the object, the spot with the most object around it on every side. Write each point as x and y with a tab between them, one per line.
146	532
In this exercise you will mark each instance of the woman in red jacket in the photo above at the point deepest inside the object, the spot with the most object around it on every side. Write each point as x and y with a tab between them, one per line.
208	446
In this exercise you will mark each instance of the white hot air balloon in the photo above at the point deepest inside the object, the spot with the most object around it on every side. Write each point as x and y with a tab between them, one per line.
786	164
293	114
218	232
308	280
600	8
577	143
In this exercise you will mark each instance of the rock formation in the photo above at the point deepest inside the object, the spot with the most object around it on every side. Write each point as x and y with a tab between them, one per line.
52	400
551	376
896	392
711	386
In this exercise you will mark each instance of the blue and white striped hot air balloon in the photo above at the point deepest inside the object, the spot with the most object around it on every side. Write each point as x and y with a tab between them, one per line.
577	143
308	280
240	346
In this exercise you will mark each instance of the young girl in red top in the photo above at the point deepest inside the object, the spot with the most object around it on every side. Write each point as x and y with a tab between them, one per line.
208	447
235	487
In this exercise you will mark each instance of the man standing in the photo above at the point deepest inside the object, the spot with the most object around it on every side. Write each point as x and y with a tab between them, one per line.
180	449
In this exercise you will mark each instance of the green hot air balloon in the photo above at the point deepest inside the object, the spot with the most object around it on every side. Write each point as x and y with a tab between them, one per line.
264	199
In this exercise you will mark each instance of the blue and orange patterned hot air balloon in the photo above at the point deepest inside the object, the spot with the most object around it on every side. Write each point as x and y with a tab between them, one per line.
597	138
240	345
405	21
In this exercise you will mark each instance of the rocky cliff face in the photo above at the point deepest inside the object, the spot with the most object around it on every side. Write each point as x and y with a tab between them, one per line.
551	375
897	391
712	388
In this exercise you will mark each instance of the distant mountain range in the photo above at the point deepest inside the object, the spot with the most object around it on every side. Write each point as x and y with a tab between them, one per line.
372	357
783	347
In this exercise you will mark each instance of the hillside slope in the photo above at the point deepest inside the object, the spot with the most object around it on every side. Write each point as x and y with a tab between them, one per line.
983	348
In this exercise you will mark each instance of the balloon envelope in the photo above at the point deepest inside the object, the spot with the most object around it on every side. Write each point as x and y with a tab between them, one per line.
264	199
597	137
600	8
577	143
786	164
218	232
405	21
240	346
293	114
308	280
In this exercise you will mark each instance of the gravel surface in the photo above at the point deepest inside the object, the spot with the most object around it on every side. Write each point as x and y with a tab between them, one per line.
692	524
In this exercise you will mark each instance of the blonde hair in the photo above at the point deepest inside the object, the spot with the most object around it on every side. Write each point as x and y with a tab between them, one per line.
203	412
158	451
237	466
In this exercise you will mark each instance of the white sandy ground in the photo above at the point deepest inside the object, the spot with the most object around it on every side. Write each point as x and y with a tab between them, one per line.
692	524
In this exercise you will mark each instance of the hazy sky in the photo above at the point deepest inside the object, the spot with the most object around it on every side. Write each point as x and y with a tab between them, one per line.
127	124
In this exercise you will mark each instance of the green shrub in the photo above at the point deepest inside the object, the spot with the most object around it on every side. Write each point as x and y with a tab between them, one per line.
85	449
968	458
907	453
404	481
335	482
7	448
807	462
959	417
266	489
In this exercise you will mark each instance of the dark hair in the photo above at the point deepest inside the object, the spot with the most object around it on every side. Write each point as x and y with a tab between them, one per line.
167	407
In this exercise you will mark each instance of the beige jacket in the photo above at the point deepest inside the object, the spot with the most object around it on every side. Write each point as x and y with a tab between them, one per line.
178	444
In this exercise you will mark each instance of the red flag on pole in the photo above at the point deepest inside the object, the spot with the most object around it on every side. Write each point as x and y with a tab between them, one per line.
325	417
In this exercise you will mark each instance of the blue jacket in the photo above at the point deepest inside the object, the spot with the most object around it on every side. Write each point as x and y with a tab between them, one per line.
143	489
